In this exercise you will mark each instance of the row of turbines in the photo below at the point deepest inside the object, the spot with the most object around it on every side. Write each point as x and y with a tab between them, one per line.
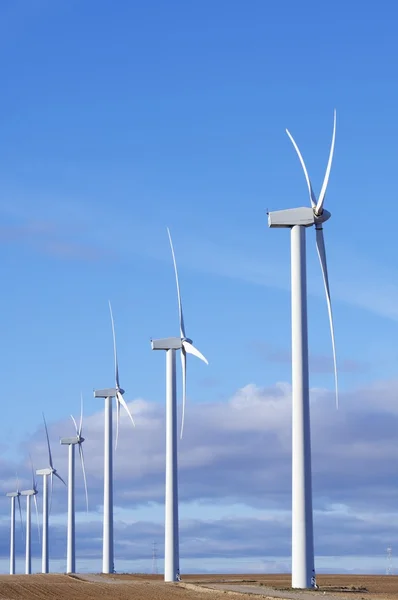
48	472
303	567
169	345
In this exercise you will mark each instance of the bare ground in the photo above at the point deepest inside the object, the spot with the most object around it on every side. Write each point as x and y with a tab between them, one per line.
193	587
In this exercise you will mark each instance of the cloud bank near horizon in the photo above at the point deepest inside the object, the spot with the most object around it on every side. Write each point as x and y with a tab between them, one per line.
234	476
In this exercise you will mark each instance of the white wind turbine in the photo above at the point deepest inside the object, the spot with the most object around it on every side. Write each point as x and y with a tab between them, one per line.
29	493
49	471
170	345
297	219
78	440
12	496
109	393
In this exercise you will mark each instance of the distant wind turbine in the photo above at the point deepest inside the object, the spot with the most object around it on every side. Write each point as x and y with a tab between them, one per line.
12	496
72	442
49	471
170	345
109	393
29	493
297	219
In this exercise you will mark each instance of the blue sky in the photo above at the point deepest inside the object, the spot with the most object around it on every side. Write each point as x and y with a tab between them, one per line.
118	120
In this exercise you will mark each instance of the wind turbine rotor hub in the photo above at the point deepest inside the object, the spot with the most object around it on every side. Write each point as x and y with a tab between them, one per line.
185	339
322	217
120	390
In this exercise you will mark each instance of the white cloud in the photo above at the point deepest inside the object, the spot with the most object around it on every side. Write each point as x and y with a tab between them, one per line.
235	475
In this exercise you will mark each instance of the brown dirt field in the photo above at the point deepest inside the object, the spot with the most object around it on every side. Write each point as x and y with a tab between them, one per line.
149	587
379	587
62	587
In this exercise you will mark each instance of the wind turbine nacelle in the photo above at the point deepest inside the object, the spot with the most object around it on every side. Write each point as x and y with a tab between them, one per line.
47	471
107	393
70	440
13	494
29	493
170	343
292	216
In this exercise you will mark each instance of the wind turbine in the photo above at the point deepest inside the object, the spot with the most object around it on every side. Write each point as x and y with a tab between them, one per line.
170	345
29	493
297	219
49	471
72	442
109	393
12	496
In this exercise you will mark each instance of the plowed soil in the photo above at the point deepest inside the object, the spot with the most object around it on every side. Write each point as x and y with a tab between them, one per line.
147	587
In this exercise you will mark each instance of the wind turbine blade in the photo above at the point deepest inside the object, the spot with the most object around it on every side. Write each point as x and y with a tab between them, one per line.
190	348
34	485
60	478
75	424
114	347
19	505
307	178
320	244
51	492
184	386
84	473
182	326
37	517
48	443
81	415
117	420
319	206
122	401
20	516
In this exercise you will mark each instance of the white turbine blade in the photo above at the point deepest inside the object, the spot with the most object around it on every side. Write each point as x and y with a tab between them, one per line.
184	386
307	178
182	326
84	473
114	347
124	404
319	206
320	244
60	478
81	415
37	517
48	443
190	348
75	424
51	492
20	516
117	420
33	473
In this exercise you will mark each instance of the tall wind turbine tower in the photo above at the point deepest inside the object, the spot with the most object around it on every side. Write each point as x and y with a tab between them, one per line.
389	569
12	496
109	393
154	559
48	472
170	345
297	220
29	494
71	442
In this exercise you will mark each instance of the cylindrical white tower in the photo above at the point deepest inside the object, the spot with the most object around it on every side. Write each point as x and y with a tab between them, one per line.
302	526
28	550
12	537
70	553
44	551
171	550
107	556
